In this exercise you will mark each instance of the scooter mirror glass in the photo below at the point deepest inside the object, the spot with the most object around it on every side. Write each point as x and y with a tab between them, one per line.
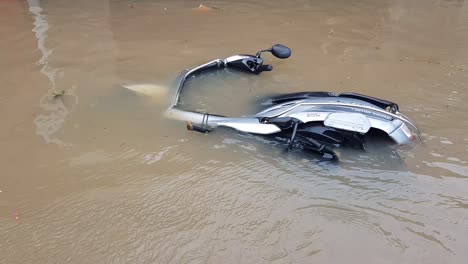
280	51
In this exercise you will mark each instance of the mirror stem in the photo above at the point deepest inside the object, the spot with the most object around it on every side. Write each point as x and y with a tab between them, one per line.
260	52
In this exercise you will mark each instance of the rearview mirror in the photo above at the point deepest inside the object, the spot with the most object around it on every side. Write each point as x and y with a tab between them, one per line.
280	51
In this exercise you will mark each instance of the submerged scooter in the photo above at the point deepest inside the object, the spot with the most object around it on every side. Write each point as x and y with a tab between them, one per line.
315	121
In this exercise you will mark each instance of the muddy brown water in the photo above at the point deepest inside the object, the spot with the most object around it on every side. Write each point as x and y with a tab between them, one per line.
99	176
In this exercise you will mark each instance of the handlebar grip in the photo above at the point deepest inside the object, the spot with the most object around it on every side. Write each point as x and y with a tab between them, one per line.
266	67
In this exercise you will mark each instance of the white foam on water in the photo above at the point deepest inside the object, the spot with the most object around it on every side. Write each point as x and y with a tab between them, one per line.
55	112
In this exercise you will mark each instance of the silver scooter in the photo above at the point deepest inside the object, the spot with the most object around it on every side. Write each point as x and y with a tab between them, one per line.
316	121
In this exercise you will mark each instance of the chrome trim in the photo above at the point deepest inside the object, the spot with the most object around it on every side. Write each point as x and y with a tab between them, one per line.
235	57
401	118
182	79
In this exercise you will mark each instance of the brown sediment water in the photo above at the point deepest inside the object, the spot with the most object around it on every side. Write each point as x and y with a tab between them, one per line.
98	175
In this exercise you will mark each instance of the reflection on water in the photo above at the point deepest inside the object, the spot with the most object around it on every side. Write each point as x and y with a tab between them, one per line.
120	183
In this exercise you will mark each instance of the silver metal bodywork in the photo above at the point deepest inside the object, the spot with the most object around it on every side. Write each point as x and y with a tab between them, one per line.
342	113
319	109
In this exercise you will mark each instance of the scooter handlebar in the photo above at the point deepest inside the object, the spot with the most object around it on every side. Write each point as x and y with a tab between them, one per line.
266	67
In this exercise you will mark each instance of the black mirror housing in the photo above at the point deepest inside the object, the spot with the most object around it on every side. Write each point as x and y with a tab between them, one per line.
280	51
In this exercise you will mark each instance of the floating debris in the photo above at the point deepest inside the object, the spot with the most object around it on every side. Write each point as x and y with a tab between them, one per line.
205	8
58	93
15	215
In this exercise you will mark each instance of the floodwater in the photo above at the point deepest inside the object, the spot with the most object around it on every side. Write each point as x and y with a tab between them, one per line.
98	175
